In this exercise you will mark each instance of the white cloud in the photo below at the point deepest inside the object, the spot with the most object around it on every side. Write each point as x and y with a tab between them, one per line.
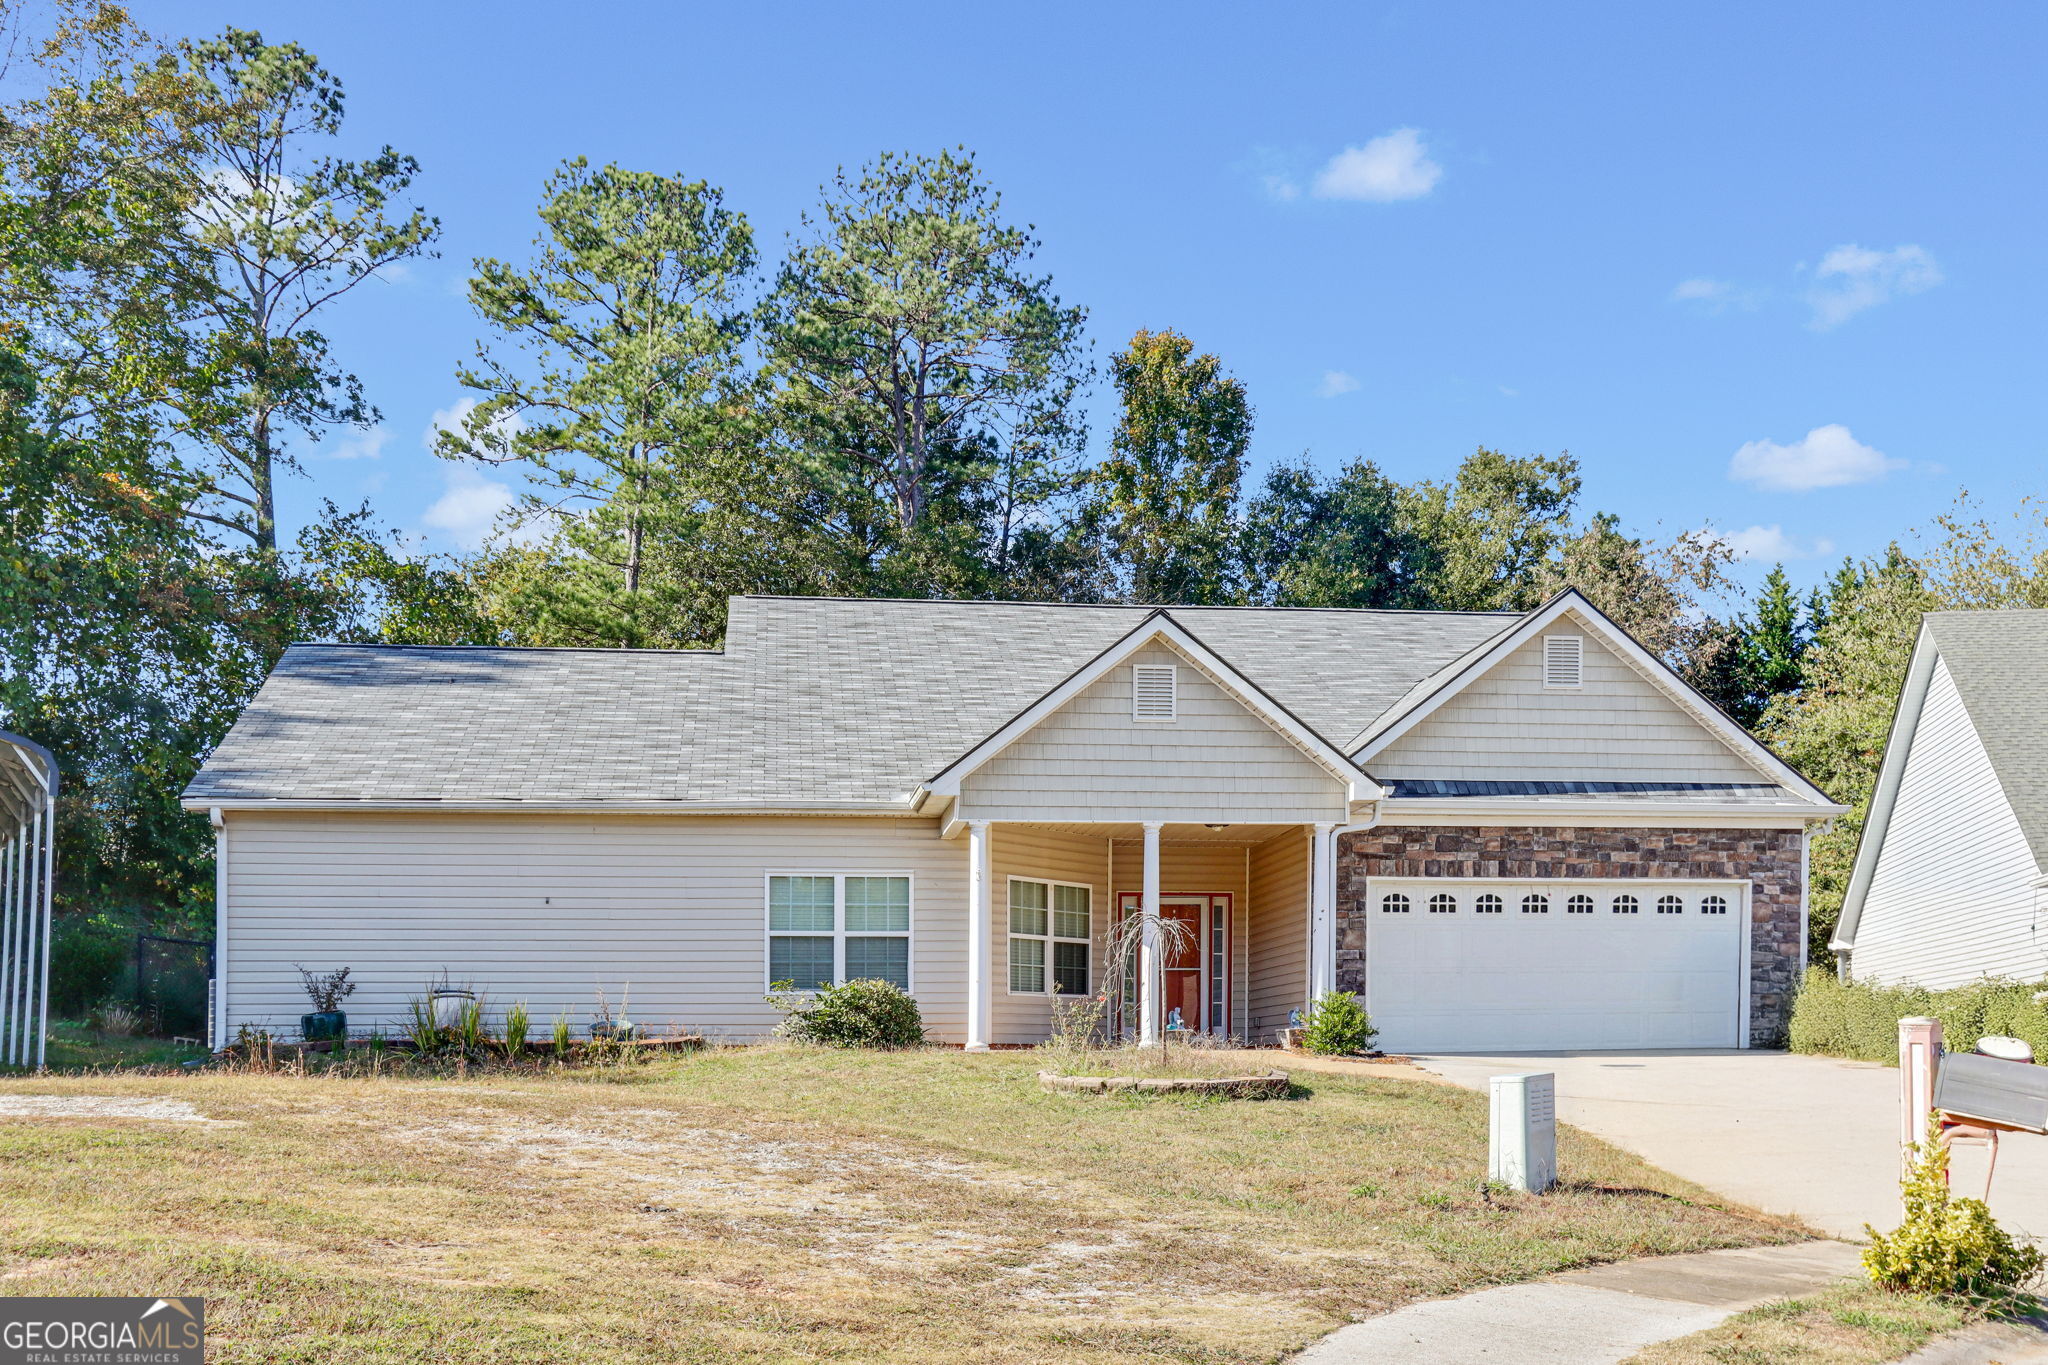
1826	457
1771	542
1389	168
469	506
1717	296
1851	278
1336	382
360	445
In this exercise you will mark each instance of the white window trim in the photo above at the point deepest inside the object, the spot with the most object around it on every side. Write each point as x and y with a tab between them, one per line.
839	931
1172	672
1048	938
1580	642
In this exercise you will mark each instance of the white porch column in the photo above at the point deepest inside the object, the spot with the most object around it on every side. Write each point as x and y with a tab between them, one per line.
980	928
1150	979
1322	915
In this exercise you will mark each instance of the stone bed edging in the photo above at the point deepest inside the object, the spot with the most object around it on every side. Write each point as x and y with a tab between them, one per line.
1260	1086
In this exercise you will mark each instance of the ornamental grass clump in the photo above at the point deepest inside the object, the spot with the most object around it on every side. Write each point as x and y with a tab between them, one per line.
871	1014
1948	1246
1337	1026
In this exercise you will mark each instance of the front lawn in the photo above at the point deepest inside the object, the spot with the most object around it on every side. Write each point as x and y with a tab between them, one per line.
784	1204
1851	1324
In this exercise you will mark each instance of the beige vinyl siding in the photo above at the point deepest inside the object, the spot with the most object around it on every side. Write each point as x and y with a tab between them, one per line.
665	912
1279	933
1618	727
1045	855
1952	897
1198	867
1090	760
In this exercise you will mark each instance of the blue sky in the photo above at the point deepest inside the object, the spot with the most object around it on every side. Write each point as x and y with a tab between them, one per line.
1777	268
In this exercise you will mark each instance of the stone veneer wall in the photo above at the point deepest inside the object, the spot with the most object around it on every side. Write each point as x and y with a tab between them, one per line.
1768	858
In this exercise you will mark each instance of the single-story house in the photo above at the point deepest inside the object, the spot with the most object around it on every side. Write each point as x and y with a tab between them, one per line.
1500	830
1951	875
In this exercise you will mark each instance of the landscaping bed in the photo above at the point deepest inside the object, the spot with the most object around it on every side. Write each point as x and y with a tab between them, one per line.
793	1204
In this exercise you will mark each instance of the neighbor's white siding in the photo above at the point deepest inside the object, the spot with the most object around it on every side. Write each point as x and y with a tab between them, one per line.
1090	760
665	914
1618	727
1952	896
1278	959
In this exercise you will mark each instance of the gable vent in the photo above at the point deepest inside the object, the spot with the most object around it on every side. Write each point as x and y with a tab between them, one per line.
1154	689
1564	661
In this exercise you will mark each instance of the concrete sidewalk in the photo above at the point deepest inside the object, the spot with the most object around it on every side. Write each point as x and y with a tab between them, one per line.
1810	1136
1589	1317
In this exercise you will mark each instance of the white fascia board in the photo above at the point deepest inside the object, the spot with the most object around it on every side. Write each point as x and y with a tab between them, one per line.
1655	670
1884	798
1159	626
1662	814
595	807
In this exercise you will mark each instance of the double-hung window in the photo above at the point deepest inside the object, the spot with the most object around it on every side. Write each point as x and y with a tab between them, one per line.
1049	926
827	928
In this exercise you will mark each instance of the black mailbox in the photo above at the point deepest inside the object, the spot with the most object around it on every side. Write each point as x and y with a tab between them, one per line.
2012	1094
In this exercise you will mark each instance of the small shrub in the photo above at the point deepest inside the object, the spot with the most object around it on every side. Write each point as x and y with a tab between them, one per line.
117	1020
1861	1020
561	1037
1945	1245
1337	1025
876	1014
517	1023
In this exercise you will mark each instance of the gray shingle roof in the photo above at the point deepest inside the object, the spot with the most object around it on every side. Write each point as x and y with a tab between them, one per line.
1999	660
813	700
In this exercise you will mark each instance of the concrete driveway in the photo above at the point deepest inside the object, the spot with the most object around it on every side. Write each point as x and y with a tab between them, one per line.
1810	1136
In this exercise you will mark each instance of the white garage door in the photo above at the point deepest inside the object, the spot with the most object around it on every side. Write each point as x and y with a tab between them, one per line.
1503	966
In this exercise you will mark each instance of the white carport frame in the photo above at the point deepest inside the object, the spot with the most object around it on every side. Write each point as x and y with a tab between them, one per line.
28	870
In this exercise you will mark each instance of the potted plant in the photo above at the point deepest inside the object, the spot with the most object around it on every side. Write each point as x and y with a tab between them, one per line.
326	990
447	1002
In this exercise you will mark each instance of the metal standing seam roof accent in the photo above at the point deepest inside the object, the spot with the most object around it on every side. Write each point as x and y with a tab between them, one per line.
812	700
1999	662
1703	793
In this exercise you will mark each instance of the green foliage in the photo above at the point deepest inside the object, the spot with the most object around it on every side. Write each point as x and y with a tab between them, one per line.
1165	497
619	387
518	1022
1948	1246
559	1035
1861	1021
925	382
870	1014
89	956
1336	1025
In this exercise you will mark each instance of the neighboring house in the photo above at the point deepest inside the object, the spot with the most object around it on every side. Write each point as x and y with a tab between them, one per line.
1501	830
1951	877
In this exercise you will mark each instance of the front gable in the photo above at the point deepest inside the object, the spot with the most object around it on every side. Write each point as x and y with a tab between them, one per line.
1615	726
1093	759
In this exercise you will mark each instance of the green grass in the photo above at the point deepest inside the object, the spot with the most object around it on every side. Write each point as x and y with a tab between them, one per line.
74	1046
1852	1324
787	1204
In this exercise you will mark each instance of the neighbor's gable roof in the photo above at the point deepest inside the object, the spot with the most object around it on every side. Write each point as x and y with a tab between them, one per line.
1998	661
815	703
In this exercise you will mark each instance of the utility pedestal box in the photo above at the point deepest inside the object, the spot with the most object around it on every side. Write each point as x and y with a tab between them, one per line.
1524	1146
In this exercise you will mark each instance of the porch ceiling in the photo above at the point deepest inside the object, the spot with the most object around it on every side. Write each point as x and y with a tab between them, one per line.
1171	834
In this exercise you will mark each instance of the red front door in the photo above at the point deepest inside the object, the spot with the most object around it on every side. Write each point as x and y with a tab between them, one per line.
1196	970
